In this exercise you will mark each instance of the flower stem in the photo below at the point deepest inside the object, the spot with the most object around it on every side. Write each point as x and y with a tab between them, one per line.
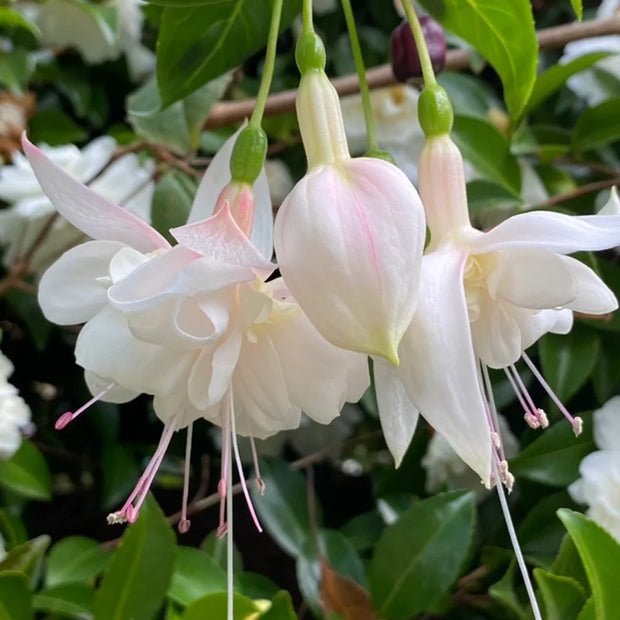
420	43
361	74
515	544
307	16
270	59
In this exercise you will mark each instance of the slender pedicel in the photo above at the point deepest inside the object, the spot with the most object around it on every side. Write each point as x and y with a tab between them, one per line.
184	523
69	416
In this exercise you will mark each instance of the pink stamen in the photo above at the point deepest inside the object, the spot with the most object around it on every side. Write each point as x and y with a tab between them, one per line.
69	416
244	486
529	416
576	423
491	412
184	523
224	467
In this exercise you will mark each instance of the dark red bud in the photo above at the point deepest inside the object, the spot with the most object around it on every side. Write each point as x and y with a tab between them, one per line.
405	58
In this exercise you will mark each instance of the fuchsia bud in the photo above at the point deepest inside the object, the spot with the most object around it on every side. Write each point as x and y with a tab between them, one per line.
404	56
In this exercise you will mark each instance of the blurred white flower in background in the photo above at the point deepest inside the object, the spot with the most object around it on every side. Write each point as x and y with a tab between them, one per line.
14	415
280	180
599	485
125	181
395	110
592	84
445	468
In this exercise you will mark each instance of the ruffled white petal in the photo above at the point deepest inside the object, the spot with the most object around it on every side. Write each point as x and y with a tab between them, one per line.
593	295
87	210
72	291
398	415
438	365
555	232
348	242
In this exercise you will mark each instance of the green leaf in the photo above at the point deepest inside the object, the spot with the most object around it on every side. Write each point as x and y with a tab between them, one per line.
201	43
600	554
255	586
16	27
172	201
27	473
215	606
15	597
216	548
27	308
281	608
75	558
488	151
554	457
340	555
555	77
55	128
482	194
282	509
589	611
563	597
503	33
606	374
418	558
578	8
569	564
504	592
119	471
137	578
597	126
568	360
195	575
12	528
73	600
16	67
27	557
468	92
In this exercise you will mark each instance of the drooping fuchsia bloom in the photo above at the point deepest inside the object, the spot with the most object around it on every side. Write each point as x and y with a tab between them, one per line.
485	297
195	325
349	236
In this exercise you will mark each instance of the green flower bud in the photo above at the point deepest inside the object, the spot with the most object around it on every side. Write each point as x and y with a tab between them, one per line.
310	52
248	156
435	111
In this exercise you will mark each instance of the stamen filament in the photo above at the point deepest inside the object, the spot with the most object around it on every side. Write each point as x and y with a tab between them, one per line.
229	543
224	469
516	547
576	422
244	486
492	412
259	481
69	416
184	523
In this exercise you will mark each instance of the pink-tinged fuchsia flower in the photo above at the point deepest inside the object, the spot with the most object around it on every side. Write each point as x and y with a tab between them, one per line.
195	325
350	235
485	297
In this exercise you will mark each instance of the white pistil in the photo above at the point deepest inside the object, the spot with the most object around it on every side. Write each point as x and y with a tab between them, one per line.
229	542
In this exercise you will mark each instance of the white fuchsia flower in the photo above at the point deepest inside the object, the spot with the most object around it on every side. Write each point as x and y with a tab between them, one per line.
125	181
245	356
484	299
14	412
350	235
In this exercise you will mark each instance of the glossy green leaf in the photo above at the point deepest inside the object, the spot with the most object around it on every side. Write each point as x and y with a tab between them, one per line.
483	194
578	8
16	27
283	508
555	77
503	33
589	611
405	576
72	600
597	126
568	360
75	558
55	128
255	586
340	555
554	457
198	44
281	608
600	553
216	548
504	592
15	597
606	374
172	201
16	67
27	473
195	575
177	126
563	597
468	92
215	606
488	151
27	557
12	528
569	564
138	576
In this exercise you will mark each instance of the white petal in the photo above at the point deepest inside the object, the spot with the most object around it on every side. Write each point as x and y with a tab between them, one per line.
593	295
124	262
556	232
533	325
438	365
117	394
607	425
70	291
349	240
93	158
87	210
397	413
532	278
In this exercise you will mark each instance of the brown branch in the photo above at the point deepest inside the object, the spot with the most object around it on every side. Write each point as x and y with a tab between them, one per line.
229	112
583	190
